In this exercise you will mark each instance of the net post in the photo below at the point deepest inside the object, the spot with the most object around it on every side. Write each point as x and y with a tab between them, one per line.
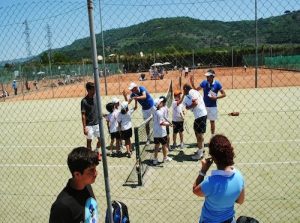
138	157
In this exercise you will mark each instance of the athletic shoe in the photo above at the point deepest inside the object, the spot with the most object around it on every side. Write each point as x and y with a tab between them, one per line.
129	155
155	161
173	146
181	146
198	155
167	159
148	142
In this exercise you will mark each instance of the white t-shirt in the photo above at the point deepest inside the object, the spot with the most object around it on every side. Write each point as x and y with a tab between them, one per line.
159	130
177	109
165	111
199	110
112	118
125	120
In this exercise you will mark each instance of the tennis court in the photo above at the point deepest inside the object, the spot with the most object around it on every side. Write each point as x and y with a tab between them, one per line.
266	138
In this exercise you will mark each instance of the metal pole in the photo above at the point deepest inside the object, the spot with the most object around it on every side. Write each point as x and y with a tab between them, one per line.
103	51
96	79
232	67
138	157
193	59
256	45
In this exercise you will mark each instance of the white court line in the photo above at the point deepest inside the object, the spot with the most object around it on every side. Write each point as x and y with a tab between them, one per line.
171	164
73	146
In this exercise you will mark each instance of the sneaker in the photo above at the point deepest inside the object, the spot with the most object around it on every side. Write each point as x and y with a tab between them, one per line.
173	146
181	146
198	155
129	155
148	142
167	159
155	161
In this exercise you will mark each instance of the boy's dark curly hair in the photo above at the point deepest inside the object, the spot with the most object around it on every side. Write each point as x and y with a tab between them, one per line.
221	150
81	158
110	107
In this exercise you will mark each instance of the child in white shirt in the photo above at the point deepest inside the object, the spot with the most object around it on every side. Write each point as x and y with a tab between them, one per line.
178	118
160	132
112	122
165	111
124	120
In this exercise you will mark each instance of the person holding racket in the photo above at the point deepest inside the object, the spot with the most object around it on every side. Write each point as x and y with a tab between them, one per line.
77	202
224	187
193	101
211	88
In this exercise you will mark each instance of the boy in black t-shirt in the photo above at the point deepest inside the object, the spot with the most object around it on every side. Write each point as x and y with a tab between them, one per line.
76	202
90	121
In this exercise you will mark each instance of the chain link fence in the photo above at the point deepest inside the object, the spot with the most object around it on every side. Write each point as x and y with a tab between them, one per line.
254	48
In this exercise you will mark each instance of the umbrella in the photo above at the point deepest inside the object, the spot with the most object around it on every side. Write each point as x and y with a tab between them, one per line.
156	64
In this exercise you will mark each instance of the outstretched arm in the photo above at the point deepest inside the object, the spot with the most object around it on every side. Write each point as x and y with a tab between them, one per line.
223	94
125	97
192	81
205	165
142	97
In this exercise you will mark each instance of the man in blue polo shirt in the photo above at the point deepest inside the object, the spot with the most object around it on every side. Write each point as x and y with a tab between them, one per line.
211	88
143	97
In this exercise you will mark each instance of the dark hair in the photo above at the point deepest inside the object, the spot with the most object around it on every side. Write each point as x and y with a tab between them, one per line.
187	87
164	99
110	107
221	150
89	85
81	158
124	110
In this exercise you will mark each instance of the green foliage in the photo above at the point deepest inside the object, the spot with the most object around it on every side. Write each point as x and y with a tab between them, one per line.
179	36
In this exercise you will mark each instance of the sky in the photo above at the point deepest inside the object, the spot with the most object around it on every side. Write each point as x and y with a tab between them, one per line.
67	20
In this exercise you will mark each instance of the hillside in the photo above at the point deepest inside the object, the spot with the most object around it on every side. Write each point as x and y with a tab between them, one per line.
180	34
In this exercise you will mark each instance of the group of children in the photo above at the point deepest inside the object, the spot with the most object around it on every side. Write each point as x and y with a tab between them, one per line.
120	125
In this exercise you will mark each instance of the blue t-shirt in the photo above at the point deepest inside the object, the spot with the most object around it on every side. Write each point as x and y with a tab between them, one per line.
145	103
221	190
215	87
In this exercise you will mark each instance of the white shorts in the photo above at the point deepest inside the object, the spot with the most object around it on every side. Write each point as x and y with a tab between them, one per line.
93	131
147	113
212	113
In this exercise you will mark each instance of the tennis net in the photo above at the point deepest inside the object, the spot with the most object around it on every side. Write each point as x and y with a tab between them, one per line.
144	149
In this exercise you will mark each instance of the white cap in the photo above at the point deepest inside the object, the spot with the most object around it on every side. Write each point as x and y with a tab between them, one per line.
207	74
115	100
157	101
124	105
132	85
